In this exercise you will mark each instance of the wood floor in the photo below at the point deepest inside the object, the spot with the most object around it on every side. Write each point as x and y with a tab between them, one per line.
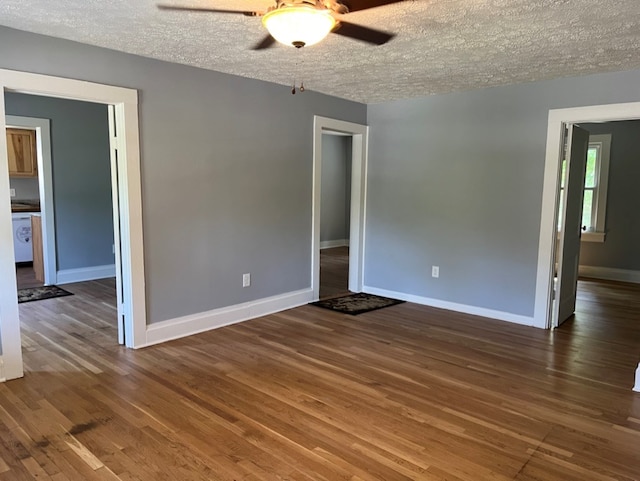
334	272
402	393
26	277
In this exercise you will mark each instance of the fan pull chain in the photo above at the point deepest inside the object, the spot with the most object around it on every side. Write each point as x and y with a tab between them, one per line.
301	82
300	89
293	88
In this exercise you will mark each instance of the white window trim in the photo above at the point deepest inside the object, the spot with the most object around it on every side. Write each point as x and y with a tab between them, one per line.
603	142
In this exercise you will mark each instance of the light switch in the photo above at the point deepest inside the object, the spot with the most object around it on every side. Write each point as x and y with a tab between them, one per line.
12	192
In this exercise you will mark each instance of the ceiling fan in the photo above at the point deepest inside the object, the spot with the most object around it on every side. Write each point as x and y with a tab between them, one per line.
301	23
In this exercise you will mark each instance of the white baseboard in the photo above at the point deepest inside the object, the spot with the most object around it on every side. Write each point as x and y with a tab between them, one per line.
68	276
637	386
204	321
334	243
609	273
452	306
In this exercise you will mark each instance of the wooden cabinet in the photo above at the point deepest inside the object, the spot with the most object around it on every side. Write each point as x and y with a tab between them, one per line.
21	148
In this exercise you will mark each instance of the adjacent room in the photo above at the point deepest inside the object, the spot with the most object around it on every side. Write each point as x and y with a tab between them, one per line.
454	182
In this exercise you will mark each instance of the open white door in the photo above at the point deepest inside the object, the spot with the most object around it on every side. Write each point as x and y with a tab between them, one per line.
570	225
113	146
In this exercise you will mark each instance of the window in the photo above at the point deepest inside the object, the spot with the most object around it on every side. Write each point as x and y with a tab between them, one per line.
594	206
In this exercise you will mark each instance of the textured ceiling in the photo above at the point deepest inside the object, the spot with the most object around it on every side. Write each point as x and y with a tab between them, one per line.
441	46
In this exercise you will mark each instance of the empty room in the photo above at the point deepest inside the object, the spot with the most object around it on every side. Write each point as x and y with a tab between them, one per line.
320	240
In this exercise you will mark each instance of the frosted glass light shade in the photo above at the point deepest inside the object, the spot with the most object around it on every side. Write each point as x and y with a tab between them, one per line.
298	25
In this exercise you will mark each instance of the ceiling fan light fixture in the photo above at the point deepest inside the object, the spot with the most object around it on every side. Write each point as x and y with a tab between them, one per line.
299	25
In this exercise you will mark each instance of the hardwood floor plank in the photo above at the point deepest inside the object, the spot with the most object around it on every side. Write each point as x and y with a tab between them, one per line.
403	393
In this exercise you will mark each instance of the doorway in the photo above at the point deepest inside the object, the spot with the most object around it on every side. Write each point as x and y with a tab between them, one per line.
80	245
41	127
126	164
358	135
558	119
335	213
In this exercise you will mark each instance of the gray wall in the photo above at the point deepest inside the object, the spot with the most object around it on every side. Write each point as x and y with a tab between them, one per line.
336	188
26	188
226	172
620	249
456	181
81	177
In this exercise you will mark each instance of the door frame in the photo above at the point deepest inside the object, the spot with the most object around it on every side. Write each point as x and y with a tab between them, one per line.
125	102
359	157
557	120
45	186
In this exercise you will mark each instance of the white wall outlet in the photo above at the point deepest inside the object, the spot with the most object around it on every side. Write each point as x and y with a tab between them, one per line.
246	280
12	192
435	271
113	248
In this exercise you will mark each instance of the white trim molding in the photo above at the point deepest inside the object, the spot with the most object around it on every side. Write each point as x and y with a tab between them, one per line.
548	219
10	337
453	306
610	274
334	243
163	331
636	387
83	274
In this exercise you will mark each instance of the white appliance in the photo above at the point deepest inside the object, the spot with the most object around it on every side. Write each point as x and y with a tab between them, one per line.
22	237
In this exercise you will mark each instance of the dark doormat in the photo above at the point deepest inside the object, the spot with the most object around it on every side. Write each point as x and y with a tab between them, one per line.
40	293
355	304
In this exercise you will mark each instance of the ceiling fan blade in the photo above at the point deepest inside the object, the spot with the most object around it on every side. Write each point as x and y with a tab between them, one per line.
214	10
266	42
364	34
356	5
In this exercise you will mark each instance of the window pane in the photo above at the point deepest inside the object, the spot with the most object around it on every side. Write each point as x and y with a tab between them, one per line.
560	209
587	209
590	178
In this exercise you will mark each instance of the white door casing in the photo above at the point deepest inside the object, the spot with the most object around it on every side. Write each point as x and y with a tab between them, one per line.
570	225
125	102
11	362
359	134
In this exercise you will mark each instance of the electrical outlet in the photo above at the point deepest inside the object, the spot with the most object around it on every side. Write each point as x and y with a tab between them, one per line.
246	280
435	271
12	192
113	248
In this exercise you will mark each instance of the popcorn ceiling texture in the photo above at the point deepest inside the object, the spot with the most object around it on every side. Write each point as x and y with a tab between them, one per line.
441	46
